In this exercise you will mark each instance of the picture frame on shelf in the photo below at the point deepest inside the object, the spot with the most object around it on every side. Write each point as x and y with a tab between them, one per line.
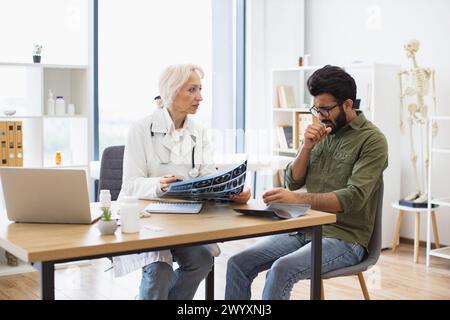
302	121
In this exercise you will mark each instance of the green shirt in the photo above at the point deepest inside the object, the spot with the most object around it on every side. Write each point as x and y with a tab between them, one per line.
350	164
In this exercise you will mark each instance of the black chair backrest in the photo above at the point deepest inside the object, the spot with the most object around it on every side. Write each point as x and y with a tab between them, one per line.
111	170
375	240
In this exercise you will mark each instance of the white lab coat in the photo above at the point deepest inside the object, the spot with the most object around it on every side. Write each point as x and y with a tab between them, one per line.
147	158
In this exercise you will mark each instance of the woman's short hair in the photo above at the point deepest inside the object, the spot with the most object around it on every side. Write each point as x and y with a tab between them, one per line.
173	78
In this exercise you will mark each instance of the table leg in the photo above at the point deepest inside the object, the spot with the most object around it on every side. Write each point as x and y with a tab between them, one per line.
209	285
254	184
435	230
397	230
47	279
316	263
417	238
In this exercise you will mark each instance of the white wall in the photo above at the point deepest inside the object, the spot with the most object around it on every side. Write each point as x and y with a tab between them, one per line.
275	33
343	31
61	27
275	37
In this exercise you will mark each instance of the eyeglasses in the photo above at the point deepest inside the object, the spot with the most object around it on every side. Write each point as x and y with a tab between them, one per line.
324	111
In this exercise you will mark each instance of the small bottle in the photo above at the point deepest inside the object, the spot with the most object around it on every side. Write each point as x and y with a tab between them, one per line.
105	199
60	106
58	158
71	109
129	215
50	104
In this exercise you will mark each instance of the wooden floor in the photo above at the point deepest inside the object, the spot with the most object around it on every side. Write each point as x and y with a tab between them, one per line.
394	277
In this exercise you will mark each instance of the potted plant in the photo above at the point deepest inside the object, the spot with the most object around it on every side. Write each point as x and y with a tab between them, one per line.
107	225
37	53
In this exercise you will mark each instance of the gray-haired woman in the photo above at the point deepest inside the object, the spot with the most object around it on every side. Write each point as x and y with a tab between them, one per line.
160	150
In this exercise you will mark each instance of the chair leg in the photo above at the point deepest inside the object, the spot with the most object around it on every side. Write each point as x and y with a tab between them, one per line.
322	292
417	238
362	282
435	230
397	231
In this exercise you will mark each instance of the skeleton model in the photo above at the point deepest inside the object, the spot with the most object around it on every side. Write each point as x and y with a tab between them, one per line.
415	83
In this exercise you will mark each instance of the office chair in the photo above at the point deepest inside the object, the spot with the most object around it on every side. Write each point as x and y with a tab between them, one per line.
369	260
111	169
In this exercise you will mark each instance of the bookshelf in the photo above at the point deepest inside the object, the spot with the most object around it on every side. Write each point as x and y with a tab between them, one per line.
435	177
378	93
25	89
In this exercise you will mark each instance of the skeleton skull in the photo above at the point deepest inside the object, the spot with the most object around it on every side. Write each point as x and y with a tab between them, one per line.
411	47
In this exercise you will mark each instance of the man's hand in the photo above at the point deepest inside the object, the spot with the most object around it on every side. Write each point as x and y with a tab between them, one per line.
279	195
166	180
242	197
314	133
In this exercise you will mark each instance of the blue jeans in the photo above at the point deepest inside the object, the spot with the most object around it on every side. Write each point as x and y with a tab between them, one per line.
288	259
160	282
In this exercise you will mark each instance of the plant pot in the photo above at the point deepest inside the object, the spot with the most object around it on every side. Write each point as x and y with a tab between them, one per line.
36	59
107	227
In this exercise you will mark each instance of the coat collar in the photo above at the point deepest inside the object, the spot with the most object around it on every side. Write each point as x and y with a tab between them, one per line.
163	123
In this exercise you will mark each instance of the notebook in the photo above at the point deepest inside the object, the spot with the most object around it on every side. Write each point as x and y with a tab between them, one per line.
173	207
278	210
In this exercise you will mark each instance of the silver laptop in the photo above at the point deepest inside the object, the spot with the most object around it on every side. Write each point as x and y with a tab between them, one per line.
47	196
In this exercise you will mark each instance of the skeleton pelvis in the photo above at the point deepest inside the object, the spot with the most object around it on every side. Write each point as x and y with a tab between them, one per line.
417	113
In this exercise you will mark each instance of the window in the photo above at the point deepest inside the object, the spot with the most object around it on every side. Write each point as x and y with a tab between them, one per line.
137	39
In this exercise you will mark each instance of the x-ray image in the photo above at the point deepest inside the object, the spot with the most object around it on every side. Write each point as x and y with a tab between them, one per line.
219	186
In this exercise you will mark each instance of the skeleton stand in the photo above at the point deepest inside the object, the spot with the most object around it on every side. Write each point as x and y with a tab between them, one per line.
417	80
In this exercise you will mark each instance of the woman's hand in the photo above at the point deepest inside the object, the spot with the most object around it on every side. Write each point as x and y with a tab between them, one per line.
242	197
166	180
278	195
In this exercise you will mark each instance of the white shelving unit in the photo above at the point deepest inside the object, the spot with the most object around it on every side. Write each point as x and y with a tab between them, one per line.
10	271
24	88
378	91
445	201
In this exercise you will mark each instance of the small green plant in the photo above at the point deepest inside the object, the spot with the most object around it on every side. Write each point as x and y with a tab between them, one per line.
37	50
106	214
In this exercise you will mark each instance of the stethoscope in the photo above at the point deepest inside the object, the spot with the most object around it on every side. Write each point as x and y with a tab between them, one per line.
193	173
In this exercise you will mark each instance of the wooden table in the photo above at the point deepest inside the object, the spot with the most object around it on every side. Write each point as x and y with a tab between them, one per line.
47	244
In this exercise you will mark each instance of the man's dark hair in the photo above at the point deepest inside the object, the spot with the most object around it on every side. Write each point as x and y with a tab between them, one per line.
335	81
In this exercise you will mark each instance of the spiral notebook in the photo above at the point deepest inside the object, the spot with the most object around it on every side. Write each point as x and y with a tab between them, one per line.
173	207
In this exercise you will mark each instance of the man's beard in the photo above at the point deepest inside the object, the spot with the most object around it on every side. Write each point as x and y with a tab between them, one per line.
339	122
